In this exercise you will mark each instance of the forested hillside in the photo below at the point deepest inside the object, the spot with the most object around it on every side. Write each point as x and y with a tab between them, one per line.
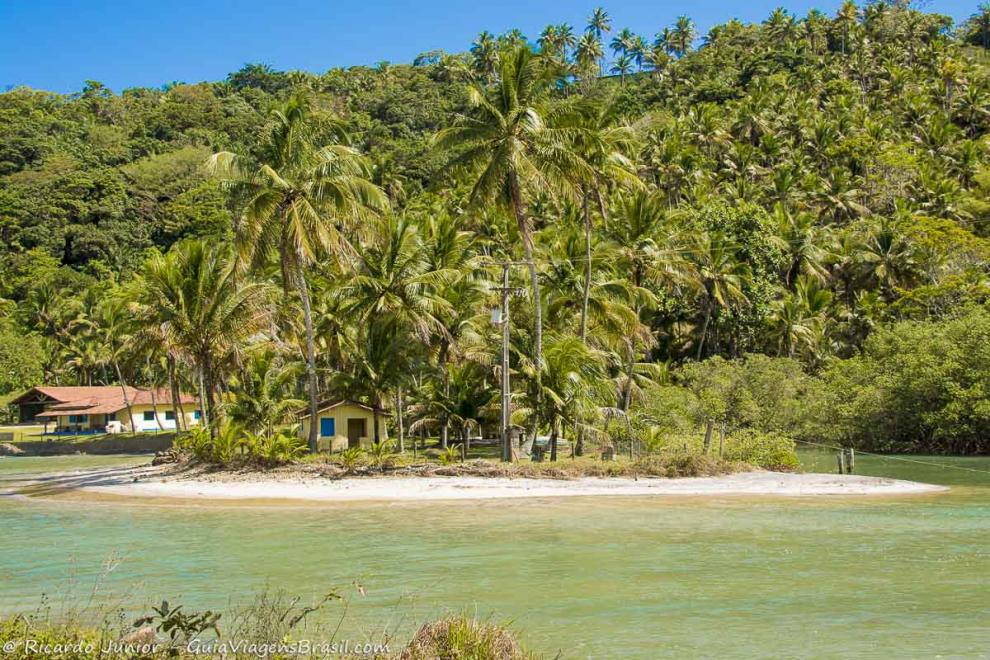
777	227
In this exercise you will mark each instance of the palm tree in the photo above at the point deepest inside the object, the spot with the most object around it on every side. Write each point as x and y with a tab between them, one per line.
116	324
622	66
549	41
484	55
722	278
801	241
980	22
397	284
461	402
657	59
449	249
512	154
393	283
644	241
610	317
846	19
193	296
300	198
779	25
573	386
887	259
589	52
599	22
637	51
664	40
683	35
381	364
798	318
566	39
604	142
815	28
622	42
265	394
512	39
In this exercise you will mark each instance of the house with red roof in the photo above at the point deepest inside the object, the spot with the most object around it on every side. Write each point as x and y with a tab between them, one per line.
103	409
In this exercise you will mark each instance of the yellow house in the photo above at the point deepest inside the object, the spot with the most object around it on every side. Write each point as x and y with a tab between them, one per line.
104	409
345	423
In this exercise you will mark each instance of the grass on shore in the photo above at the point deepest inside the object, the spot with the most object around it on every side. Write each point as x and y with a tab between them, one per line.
232	450
336	466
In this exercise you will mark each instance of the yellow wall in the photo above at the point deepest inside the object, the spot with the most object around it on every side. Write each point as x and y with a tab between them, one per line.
340	414
140	424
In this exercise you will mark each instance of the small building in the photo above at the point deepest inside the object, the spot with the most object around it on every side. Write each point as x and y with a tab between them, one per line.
103	408
345	423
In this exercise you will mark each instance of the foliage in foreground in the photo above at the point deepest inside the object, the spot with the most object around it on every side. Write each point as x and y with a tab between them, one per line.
270	628
460	637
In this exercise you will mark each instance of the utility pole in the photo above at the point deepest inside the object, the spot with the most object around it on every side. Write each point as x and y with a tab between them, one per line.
506	434
503	320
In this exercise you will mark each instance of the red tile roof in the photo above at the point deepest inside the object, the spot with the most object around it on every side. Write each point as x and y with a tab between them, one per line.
100	400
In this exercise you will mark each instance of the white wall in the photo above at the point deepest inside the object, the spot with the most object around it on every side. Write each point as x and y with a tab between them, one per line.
139	423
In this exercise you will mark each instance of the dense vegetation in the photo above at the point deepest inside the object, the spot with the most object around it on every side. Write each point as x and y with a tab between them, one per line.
779	233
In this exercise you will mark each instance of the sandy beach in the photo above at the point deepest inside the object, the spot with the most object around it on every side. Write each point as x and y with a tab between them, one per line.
151	482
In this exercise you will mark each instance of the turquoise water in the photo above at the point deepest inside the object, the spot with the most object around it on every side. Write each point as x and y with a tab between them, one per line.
606	577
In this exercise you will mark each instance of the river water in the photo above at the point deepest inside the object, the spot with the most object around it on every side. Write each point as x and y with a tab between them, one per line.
606	577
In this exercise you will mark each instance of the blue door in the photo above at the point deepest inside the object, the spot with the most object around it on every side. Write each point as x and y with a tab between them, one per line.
327	427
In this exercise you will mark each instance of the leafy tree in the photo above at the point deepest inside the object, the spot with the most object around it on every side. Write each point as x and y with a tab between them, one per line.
21	359
299	197
512	153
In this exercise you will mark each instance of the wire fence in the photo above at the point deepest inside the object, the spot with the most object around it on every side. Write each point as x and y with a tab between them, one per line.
897	458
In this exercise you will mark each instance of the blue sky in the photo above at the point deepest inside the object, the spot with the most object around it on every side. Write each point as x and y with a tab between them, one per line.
56	45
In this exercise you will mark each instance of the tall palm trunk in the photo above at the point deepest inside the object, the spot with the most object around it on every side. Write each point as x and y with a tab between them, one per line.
445	378
374	416
587	269
154	407
209	391
526	233
123	390
312	385
203	407
630	369
602	207
398	414
704	328
173	385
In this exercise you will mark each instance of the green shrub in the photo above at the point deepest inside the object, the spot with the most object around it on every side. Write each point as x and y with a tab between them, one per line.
196	441
380	455
232	443
449	455
679	464
279	448
350	458
771	451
